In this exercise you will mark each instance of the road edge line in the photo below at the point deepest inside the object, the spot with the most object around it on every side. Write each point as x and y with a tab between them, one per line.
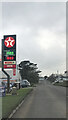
18	106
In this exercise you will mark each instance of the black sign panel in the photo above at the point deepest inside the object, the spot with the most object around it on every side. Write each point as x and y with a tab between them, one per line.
9	48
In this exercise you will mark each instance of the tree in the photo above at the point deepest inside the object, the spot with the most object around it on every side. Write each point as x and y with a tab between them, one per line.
29	71
45	77
65	72
52	78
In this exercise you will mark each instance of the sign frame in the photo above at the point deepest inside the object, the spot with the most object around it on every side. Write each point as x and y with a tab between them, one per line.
10	57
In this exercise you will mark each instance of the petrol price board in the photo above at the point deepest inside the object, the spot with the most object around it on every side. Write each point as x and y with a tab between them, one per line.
9	51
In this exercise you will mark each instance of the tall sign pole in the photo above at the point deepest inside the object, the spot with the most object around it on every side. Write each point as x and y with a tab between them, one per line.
8	77
8	55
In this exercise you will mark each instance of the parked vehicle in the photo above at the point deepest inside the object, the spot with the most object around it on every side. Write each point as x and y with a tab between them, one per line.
24	83
2	91
10	87
65	78
17	85
56	81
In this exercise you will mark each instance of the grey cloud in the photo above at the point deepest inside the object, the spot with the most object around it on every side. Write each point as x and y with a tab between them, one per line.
34	14
51	57
26	19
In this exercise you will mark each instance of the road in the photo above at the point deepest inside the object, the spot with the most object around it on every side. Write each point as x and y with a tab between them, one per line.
45	101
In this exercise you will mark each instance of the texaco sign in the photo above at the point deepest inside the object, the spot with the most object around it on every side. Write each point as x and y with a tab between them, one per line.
9	51
9	42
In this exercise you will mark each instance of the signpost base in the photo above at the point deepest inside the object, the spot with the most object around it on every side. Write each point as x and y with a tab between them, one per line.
8	80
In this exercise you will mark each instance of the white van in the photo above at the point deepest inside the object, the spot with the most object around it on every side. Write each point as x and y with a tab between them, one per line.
24	83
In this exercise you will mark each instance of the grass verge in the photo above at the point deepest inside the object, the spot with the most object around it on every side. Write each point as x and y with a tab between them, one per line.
10	102
63	84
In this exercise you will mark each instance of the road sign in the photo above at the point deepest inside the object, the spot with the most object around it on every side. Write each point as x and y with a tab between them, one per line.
9	51
8	54
9	44
9	66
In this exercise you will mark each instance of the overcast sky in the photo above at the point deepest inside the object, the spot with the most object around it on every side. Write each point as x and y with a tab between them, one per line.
41	33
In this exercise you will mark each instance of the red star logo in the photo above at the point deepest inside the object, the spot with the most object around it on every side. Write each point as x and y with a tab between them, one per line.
9	42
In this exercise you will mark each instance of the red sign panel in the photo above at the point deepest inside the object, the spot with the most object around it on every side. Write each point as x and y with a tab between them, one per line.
9	62
9	42
14	72
9	66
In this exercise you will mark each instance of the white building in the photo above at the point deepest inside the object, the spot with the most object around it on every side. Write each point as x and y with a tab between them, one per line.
3	77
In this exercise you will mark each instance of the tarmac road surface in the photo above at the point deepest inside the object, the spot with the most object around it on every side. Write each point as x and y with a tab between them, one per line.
45	101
